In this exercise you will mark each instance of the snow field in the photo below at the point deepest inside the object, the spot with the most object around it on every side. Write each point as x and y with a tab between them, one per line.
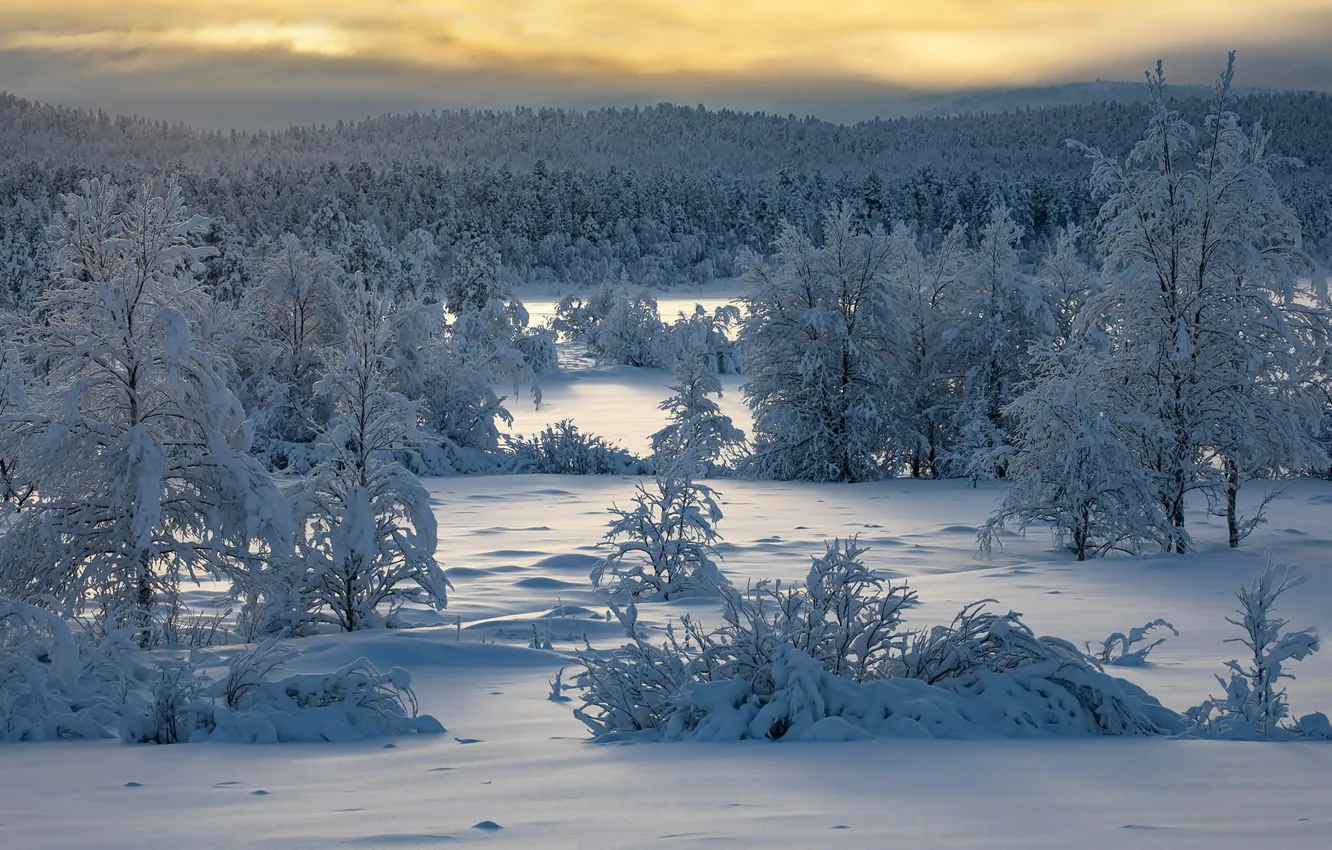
518	550
529	768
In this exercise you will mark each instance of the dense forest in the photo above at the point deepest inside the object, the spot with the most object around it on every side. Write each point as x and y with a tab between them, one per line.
658	195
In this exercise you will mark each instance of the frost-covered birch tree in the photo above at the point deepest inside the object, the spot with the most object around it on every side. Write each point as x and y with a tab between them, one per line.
136	448
365	530
1065	283
1001	313
1202	283
928	288
821	345
1072	468
296	311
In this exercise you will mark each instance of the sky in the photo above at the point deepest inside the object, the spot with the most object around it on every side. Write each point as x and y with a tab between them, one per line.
248	63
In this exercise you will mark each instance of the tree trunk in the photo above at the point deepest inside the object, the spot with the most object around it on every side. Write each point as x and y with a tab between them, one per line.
144	600
1232	495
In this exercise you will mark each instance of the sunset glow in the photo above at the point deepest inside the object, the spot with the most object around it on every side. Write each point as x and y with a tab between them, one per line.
669	48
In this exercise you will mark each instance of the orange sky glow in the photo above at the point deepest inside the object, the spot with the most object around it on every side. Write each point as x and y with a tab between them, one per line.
518	51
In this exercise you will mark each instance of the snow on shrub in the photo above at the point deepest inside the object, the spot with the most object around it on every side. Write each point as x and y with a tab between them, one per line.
45	690
55	685
183	704
1128	656
663	547
1254	704
562	449
352	703
827	660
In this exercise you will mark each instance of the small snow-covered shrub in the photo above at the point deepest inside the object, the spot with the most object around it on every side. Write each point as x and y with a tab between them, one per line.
562	449
1128	656
249	705
45	690
1254	704
176	709
827	661
663	547
349	704
58	684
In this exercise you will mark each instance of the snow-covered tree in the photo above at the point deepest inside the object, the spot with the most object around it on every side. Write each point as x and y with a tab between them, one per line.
476	277
1202	276
1255	703
137	448
664	547
1072	468
14	381
696	427
1000	316
299	303
365	533
709	336
618	323
1065	283
294	314
419	277
929	387
821	345
631	332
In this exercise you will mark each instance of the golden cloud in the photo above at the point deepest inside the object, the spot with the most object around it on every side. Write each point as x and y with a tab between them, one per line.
937	44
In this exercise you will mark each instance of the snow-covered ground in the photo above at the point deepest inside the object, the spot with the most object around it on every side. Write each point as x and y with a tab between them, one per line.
519	549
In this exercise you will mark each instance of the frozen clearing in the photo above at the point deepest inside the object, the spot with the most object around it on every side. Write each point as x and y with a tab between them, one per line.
617	402
519	549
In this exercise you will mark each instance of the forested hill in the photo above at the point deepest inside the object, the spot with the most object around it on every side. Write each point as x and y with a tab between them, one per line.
663	137
660	194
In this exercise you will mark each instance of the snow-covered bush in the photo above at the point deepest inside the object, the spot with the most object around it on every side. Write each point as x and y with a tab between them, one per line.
663	548
619	324
354	702
45	690
1128	656
563	449
1254	704
709	337
183	704
176	708
55	683
828	661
